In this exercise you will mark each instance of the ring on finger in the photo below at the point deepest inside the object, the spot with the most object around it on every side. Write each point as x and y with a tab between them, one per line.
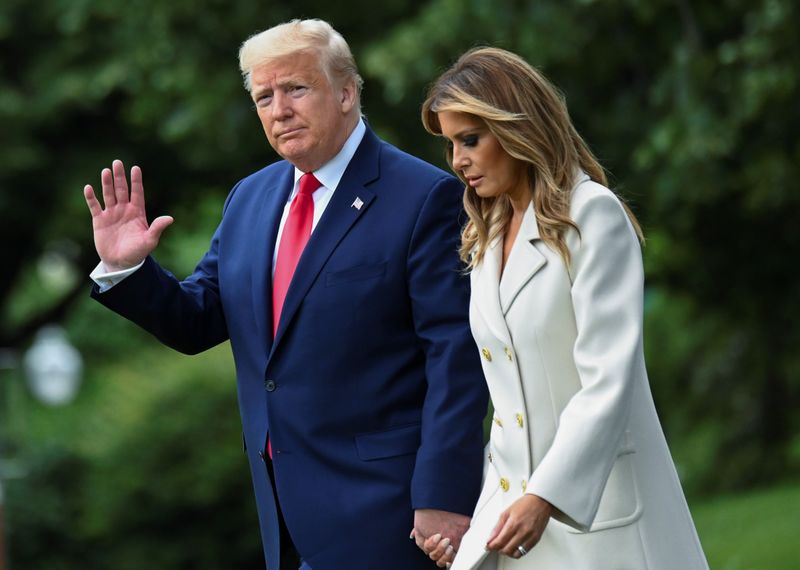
522	551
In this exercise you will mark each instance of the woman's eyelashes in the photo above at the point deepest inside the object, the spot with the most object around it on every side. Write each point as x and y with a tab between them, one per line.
470	140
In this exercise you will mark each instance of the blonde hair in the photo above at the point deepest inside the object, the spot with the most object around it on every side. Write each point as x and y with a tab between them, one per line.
314	36
529	118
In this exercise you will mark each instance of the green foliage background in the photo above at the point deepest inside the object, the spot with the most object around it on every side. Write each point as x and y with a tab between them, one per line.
692	106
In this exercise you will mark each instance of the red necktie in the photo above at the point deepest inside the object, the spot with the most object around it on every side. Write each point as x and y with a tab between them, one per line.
296	232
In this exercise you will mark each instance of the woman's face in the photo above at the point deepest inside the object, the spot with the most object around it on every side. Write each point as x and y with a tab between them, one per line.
480	159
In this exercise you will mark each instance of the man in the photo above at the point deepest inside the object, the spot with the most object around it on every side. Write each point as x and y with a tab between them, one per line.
359	384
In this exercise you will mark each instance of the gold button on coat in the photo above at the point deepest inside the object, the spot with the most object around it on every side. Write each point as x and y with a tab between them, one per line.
486	354
504	484
508	353
519	420
524	485
498	421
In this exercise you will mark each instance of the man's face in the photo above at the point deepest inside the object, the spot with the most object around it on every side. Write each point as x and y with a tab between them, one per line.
305	117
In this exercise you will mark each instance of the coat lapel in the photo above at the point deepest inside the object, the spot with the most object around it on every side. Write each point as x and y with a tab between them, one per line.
523	262
267	221
340	215
485	290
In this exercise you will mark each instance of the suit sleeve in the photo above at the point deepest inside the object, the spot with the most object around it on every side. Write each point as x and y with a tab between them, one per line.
184	315
449	462
607	289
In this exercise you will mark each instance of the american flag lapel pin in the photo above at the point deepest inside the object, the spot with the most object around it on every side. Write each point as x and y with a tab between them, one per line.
357	203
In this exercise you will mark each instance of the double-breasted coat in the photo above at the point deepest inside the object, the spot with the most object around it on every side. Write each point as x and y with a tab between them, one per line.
574	419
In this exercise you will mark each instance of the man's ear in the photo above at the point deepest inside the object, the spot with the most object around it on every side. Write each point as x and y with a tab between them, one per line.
348	95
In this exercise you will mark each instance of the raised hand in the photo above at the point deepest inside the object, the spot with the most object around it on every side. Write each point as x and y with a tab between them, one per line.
520	525
122	235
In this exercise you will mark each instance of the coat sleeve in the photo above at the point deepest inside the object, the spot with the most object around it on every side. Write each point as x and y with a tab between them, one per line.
449	464
607	296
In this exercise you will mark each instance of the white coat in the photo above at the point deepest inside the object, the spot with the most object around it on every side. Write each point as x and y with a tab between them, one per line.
574	418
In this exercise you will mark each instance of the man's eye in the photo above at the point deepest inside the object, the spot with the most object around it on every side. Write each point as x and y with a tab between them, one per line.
470	141
298	90
264	100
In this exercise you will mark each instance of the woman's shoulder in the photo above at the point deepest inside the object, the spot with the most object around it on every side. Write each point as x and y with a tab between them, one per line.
590	198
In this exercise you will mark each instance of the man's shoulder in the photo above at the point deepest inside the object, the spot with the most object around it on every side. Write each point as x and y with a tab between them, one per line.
273	171
401	166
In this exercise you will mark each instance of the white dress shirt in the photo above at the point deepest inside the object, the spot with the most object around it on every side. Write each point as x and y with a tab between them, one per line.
329	175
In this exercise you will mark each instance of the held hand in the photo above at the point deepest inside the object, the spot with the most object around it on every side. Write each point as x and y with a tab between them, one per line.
439	550
449	526
122	236
521	524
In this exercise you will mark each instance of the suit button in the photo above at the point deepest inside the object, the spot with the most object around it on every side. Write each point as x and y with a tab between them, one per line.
486	354
261	455
508	353
524	485
504	484
270	386
520	422
498	421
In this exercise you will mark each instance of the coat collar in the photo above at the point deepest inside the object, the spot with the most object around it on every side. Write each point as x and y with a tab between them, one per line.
485	290
523	262
495	295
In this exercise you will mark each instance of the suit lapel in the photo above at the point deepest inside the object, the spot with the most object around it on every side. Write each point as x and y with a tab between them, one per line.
267	221
340	215
523	262
485	290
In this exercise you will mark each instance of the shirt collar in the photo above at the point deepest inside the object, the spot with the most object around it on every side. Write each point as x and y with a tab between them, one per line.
330	173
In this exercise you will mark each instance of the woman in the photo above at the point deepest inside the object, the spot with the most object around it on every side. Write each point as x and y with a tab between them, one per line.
578	473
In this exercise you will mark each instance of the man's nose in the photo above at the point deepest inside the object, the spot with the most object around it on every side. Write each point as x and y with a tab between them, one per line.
281	106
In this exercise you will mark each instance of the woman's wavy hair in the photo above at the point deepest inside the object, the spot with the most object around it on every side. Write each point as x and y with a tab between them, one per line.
529	118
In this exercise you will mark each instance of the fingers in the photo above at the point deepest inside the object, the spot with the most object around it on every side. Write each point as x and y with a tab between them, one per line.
422	541
137	189
91	200
497	528
509	536
439	550
158	226
522	524
107	182
442	553
120	182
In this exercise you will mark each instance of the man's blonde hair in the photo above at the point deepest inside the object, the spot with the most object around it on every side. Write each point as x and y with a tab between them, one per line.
309	36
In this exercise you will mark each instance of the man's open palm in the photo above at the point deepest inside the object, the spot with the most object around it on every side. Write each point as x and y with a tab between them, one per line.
122	235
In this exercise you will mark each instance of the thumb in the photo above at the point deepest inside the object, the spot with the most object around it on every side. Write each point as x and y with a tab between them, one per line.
498	527
158	226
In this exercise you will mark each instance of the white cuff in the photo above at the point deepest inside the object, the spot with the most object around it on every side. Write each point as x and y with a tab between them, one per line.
106	280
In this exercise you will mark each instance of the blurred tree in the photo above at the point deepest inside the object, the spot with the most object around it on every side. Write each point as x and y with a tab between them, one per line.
154	478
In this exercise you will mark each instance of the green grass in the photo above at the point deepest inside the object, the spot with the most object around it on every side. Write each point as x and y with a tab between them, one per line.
757	530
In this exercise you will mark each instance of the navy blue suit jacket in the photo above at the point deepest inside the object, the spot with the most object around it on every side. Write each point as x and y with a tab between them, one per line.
371	391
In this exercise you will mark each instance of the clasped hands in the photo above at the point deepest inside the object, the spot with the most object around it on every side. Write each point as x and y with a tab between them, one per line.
517	531
438	533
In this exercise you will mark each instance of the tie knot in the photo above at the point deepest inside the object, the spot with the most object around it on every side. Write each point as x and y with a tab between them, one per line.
308	184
